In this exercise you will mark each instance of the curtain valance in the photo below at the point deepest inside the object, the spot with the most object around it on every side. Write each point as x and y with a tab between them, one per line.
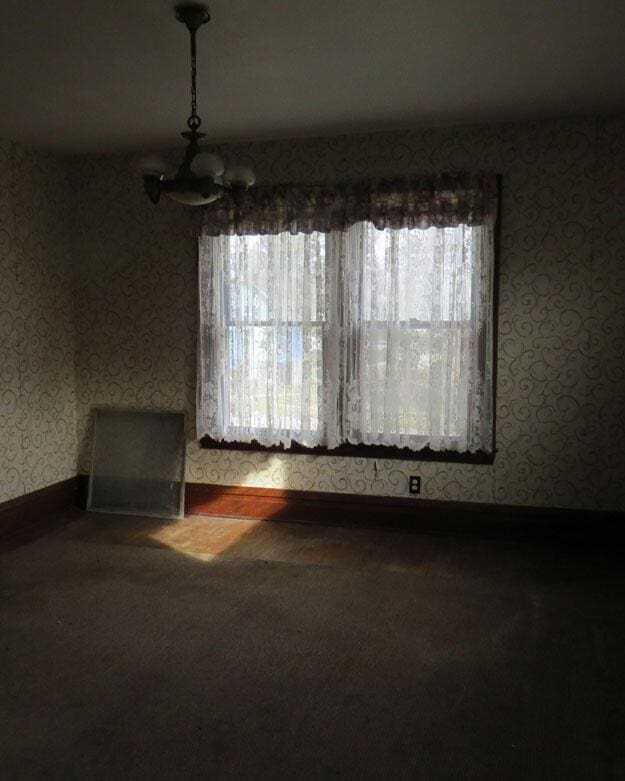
431	201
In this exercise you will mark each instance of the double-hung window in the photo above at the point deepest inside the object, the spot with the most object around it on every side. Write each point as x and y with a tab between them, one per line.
361	334
264	327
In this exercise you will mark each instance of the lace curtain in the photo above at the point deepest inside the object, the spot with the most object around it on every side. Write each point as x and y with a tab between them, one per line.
439	201
262	329
354	335
412	353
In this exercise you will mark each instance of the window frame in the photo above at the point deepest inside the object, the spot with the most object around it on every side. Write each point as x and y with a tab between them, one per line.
394	452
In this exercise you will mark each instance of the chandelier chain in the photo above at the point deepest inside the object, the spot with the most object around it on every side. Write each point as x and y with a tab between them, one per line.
194	121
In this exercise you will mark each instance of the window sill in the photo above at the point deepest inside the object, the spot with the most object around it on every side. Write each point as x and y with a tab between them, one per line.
357	451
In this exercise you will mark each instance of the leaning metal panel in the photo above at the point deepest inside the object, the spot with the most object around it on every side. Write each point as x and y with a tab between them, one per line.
137	464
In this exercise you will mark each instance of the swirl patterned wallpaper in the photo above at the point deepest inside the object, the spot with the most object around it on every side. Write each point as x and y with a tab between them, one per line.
98	306
560	386
37	374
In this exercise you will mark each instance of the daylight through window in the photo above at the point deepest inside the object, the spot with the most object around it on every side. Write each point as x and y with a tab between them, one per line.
361	336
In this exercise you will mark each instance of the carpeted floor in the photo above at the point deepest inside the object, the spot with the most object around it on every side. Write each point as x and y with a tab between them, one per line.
122	658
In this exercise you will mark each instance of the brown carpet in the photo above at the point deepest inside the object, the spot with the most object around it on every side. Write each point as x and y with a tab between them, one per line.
485	661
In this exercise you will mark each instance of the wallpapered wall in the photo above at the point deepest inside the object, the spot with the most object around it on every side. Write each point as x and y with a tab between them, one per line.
37	379
560	388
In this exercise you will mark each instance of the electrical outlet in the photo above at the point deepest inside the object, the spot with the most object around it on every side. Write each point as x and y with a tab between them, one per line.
414	484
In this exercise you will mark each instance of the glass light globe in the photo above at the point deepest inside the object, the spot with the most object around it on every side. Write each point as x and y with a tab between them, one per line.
192	199
239	174
207	164
153	165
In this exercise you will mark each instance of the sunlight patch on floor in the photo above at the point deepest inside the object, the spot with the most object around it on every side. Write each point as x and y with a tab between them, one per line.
207	538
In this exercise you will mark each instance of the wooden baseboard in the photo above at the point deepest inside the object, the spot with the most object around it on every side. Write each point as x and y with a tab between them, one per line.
425	516
32	508
419	515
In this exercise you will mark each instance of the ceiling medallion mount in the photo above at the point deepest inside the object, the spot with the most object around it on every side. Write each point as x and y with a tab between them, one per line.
193	15
201	177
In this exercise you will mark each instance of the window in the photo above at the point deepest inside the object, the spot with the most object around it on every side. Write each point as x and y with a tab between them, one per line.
265	335
352	335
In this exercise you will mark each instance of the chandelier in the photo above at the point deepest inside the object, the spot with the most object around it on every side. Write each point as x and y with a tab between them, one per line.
202	177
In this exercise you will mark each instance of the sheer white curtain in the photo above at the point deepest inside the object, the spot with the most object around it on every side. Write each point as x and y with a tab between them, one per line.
415	337
262	324
358	335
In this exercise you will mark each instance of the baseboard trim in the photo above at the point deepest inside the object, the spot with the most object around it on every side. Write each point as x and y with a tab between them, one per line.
419	515
31	508
426	516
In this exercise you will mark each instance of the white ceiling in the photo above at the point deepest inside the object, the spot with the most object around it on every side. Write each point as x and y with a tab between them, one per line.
103	75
